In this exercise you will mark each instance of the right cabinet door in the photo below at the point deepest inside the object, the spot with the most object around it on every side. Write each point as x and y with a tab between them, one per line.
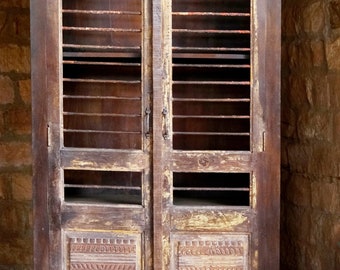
216	178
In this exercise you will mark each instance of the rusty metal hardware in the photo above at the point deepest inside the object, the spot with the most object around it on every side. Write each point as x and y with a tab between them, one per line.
166	127
147	122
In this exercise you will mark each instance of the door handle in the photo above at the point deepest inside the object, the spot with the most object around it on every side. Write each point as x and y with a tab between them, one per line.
147	122
166	127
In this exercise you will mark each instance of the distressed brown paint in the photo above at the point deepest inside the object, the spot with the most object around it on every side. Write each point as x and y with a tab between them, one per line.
156	134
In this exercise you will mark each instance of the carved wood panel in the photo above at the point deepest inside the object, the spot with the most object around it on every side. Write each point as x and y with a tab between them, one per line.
210	251
102	251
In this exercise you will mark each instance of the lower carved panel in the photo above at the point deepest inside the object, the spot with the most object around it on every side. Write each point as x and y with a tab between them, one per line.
210	252
102	251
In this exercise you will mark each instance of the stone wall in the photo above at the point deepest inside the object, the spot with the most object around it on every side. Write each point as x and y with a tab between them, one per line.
310	237
15	137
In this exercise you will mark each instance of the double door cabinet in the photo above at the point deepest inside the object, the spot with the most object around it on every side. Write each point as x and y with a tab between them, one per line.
156	134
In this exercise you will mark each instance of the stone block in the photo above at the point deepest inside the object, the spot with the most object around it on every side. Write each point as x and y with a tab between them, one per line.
25	91
321	91
300	56
3	20
325	197
332	54
337	131
15	26
14	58
315	125
313	260
333	84
298	157
318	53
16	253
324	160
291	25
334	13
19	121
284	154
299	190
9	223
6	90
314	18
298	91
323	239
288	123
298	223
2	124
15	154
5	187
21	187
14	3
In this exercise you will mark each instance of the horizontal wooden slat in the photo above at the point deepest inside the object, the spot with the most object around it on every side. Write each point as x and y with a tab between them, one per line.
101	81
212	99
210	189
79	62
212	56
212	161
236	218
213	116
212	133
213	82
99	29
101	12
211	31
100	97
100	131
102	114
106	217
97	47
222	49
103	159
102	187
212	65
223	14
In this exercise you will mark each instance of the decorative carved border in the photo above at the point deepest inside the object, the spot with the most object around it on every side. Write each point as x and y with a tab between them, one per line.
102	251
210	251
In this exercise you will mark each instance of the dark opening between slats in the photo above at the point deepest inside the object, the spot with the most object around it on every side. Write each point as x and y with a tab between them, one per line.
231	6
211	75
103	187
227	189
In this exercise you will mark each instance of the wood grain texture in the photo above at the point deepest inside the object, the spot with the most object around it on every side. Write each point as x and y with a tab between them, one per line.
202	84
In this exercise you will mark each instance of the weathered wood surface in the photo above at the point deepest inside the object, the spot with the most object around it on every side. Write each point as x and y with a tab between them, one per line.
199	106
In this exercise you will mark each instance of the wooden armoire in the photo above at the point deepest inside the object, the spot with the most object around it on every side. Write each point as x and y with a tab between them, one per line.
156	127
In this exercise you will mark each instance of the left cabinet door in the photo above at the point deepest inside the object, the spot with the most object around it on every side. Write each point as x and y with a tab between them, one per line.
91	134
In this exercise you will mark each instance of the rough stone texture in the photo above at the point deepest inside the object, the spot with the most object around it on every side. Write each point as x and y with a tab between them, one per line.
310	236
7	90
16	240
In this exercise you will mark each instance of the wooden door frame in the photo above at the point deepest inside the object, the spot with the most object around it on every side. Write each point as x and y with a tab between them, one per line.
45	78
268	19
